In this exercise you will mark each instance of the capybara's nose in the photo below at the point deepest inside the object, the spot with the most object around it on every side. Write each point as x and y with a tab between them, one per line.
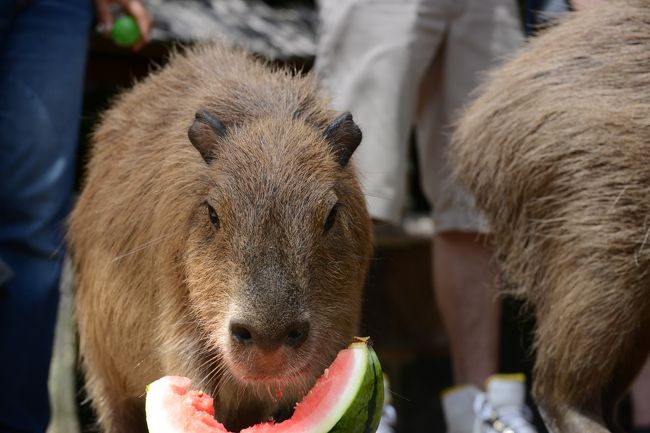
240	333
292	335
297	334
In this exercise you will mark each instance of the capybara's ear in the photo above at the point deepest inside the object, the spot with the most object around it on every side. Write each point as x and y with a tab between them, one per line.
344	136
202	133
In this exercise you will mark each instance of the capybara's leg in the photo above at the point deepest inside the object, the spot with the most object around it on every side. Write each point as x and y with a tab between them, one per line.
572	420
589	349
630	364
598	415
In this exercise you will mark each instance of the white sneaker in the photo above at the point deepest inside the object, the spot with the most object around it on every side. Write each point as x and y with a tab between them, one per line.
502	409
388	414
458	408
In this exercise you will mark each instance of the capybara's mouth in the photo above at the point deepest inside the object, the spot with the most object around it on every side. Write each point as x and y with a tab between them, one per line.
287	378
266	379
284	375
286	384
285	368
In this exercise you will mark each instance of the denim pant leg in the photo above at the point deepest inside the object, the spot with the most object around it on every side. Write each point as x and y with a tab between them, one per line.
538	12
42	64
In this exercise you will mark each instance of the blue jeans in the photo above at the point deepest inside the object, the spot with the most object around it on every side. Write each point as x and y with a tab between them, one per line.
537	9
43	48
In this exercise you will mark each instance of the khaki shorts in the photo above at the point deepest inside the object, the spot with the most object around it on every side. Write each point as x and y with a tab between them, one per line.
403	63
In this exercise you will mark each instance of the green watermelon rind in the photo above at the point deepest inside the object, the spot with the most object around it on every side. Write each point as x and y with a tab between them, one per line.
364	412
349	399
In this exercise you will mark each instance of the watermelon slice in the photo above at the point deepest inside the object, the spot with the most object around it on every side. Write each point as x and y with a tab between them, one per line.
347	398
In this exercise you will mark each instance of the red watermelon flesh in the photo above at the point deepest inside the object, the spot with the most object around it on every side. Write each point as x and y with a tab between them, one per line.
172	407
192	411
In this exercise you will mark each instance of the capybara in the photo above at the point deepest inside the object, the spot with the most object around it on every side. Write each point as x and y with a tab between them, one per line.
556	149
221	235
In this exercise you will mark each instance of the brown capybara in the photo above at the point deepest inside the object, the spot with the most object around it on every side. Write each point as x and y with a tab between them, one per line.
221	235
556	149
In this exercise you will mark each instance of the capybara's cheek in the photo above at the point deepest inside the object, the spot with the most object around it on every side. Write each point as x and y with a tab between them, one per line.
211	292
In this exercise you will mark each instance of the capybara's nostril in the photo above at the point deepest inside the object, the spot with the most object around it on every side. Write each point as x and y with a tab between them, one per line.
240	333
297	334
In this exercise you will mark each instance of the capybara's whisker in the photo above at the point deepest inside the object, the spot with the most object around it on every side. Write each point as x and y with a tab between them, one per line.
142	247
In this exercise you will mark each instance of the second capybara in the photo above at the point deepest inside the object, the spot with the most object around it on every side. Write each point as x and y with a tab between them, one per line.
556	149
221	235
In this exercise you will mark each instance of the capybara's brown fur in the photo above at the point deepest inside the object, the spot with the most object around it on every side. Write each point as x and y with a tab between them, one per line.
235	256
556	149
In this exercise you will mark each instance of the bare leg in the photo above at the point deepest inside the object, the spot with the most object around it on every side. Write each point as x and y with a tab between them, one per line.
641	397
464	279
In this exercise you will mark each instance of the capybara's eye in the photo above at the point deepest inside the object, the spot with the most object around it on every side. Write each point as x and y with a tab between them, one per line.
214	218
331	218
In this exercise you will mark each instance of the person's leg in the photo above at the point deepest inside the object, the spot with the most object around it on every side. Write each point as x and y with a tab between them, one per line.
464	275
641	400
41	80
482	33
462	264
464	278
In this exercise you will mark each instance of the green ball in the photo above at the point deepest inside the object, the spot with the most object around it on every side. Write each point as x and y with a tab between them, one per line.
125	31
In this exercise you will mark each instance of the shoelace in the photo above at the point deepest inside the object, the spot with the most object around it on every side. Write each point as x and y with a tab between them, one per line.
509	419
